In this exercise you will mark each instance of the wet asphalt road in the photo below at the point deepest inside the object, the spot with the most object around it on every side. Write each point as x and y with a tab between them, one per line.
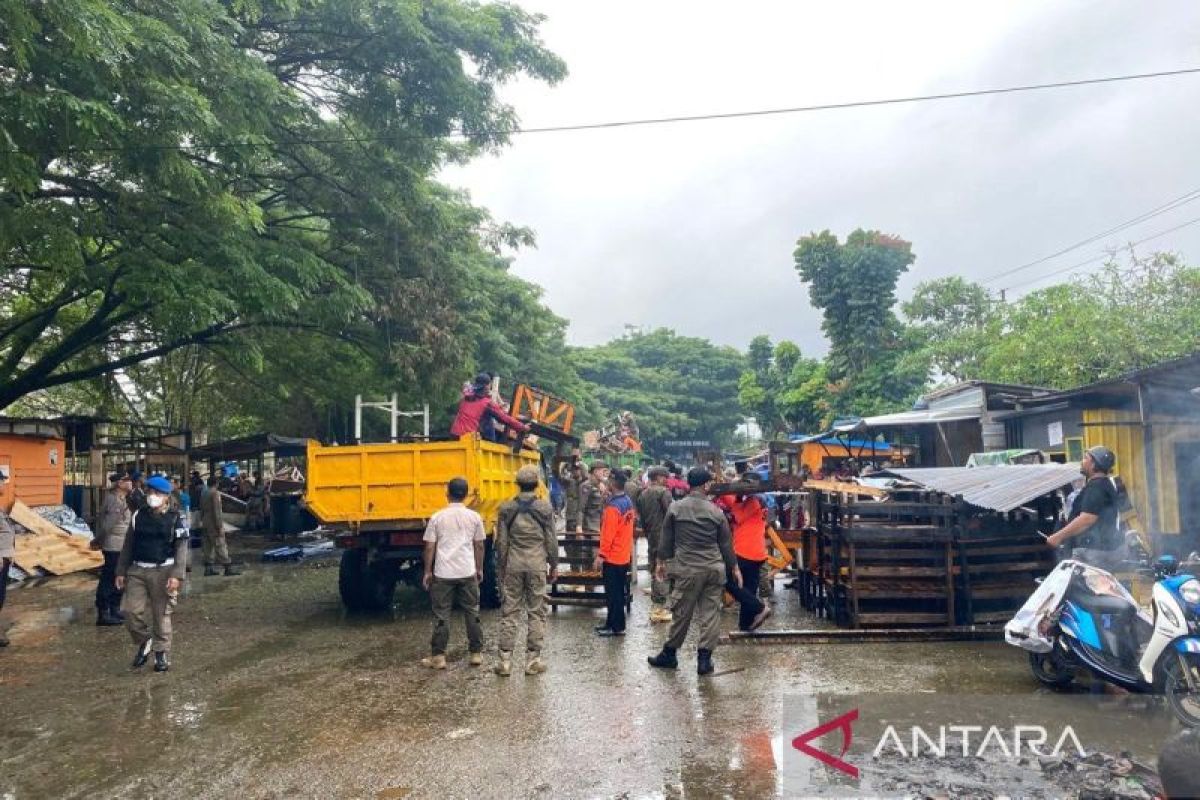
275	693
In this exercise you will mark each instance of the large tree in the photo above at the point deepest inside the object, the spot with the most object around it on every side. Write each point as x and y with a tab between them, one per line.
174	174
871	365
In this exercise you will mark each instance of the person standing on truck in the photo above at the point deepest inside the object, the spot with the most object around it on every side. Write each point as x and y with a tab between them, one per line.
652	504
698	546
216	551
526	549
616	553
478	412
150	571
111	527
454	540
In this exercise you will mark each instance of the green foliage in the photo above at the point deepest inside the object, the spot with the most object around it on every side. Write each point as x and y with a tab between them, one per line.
954	321
184	173
784	391
871	367
676	386
1120	319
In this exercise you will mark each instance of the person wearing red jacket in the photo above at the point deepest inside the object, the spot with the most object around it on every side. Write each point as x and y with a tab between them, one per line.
616	553
478	412
748	518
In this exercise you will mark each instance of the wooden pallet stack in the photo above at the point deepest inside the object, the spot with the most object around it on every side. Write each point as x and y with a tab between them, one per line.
49	549
916	558
577	583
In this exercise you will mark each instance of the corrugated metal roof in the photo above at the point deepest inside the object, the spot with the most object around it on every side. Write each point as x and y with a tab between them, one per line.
1000	488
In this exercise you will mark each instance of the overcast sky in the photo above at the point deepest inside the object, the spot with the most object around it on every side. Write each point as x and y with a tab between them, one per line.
692	226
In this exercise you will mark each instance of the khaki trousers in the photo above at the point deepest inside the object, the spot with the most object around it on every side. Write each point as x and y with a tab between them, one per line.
148	606
216	551
696	591
523	596
443	592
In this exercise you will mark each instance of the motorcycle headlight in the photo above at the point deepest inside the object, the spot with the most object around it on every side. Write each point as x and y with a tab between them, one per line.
1190	592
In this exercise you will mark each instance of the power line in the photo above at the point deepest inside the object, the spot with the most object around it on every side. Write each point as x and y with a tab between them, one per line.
629	123
1170	205
1094	259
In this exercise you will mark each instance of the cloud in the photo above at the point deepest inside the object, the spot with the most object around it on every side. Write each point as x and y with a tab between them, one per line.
692	226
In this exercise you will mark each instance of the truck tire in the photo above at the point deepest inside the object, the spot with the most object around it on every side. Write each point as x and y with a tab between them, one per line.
489	590
366	586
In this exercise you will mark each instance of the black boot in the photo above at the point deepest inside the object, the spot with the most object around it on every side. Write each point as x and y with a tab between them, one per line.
664	660
142	655
210	570
704	664
161	662
117	613
233	569
104	616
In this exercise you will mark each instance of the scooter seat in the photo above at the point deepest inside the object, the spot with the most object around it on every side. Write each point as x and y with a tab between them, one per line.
1103	603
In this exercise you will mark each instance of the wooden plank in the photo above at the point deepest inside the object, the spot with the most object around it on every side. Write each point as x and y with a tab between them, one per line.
901	618
901	572
50	548
842	487
869	636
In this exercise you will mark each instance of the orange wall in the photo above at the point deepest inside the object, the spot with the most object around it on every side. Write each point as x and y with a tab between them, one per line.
36	466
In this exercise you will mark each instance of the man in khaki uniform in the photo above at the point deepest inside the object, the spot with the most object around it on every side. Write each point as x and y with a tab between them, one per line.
526	548
216	551
698	547
652	504
150	571
593	494
570	475
111	527
8	549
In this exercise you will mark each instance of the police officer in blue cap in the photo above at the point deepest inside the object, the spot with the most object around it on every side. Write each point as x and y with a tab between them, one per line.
150	572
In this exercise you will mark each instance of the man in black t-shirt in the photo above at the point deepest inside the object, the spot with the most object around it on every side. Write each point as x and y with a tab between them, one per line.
1092	527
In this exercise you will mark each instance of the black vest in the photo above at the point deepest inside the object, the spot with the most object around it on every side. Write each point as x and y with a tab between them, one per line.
154	536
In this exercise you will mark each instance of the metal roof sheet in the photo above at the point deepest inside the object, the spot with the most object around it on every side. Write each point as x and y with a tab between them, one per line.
999	488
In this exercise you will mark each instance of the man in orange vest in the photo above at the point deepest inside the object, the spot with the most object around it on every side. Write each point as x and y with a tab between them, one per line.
616	553
748	518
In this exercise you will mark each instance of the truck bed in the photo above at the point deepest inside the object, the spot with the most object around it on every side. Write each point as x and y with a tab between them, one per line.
405	483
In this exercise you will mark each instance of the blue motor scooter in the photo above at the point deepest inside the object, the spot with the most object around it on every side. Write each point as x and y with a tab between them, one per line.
1091	621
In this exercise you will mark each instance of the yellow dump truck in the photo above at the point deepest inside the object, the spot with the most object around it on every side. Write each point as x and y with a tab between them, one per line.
378	497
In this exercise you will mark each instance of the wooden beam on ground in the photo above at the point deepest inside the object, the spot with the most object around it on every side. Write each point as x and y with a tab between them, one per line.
961	633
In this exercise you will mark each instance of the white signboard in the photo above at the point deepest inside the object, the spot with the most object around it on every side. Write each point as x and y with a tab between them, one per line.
1054	432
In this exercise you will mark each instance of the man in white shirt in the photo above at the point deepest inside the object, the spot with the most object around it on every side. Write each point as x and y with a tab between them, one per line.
454	540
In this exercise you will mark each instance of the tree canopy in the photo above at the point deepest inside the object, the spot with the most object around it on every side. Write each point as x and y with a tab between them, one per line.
188	173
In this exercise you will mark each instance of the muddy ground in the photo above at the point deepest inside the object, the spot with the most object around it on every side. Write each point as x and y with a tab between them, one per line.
274	692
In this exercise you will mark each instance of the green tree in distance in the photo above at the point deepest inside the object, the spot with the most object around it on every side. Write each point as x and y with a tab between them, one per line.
872	365
677	386
784	391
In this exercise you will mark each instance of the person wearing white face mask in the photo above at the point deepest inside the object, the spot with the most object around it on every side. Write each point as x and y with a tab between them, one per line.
150	571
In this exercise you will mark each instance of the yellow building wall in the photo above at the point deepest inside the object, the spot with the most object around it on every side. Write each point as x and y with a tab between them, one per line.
1122	432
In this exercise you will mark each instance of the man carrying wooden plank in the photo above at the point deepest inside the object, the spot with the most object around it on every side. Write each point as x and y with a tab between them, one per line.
111	526
8	549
